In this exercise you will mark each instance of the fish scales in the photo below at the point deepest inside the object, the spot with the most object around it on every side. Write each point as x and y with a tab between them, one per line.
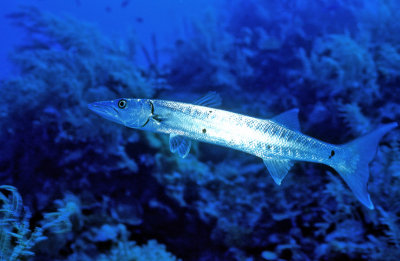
236	131
278	141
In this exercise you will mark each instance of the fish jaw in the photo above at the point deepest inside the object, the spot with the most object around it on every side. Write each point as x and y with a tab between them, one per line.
106	110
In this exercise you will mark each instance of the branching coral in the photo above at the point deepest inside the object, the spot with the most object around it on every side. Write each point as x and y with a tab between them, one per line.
130	251
123	249
344	66
211	51
388	63
354	119
65	65
16	238
60	221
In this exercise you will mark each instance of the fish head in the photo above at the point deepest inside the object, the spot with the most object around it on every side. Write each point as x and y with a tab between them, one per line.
133	113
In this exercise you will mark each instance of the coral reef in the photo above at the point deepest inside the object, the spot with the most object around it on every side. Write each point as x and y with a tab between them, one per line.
98	191
16	239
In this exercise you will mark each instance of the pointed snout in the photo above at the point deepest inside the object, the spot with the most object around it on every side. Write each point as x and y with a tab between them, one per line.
105	109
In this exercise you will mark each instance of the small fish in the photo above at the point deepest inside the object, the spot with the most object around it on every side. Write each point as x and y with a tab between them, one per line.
278	141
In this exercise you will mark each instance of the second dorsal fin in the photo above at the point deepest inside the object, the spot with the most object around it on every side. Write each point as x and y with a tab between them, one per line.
289	119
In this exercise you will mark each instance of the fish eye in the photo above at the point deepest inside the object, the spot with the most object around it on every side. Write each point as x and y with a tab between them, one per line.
122	103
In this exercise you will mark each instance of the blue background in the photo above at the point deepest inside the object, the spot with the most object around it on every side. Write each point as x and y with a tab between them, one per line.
74	186
115	19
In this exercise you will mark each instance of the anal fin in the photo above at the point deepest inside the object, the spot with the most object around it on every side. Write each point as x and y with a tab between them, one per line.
180	145
278	168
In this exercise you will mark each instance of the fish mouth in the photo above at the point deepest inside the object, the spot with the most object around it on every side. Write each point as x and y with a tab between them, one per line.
105	109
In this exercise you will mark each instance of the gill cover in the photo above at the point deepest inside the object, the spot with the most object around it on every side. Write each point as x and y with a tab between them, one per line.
133	113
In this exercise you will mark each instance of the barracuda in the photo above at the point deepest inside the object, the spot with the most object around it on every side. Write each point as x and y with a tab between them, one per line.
278	141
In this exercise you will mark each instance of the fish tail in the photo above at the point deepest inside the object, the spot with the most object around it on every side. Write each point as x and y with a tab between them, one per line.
352	166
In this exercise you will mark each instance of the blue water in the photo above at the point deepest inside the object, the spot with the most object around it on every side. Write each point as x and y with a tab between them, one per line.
115	19
74	186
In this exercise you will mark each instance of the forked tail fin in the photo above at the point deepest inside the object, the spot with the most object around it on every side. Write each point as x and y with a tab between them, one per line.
353	167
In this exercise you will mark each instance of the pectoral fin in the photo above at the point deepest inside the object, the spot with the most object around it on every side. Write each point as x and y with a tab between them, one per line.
278	168
179	144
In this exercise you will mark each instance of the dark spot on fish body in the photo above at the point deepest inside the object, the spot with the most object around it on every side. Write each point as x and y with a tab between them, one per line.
268	147
204	130
332	154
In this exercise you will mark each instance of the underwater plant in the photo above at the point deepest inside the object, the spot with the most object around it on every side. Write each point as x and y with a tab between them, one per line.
16	238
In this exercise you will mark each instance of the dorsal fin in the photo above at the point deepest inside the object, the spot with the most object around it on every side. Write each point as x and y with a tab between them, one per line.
289	119
179	144
278	168
211	99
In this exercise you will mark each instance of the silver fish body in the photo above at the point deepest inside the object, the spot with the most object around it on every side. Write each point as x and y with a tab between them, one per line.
278	141
259	137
